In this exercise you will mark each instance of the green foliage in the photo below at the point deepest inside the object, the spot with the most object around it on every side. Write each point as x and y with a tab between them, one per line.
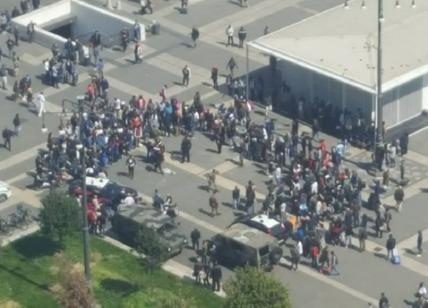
147	243
253	288
59	216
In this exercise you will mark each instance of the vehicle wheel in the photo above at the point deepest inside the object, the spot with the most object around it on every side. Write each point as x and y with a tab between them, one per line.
275	255
3	198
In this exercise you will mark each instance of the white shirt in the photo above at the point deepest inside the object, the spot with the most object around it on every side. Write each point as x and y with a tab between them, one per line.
40	99
229	31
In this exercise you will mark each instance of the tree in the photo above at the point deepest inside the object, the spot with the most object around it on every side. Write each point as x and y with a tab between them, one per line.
72	289
59	215
150	248
253	288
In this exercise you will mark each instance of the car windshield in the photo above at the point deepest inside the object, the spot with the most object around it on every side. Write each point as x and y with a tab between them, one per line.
166	228
276	230
112	189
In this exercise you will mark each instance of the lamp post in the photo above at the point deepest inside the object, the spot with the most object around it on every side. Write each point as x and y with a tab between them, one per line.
379	134
85	229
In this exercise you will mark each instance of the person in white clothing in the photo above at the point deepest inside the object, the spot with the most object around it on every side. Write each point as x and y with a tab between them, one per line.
41	103
229	33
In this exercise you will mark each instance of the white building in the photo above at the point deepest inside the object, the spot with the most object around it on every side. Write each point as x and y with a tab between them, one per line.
333	55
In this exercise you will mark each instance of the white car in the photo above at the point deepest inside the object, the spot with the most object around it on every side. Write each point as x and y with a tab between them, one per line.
5	191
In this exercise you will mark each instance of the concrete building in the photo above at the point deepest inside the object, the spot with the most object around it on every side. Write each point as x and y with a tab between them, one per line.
57	22
332	56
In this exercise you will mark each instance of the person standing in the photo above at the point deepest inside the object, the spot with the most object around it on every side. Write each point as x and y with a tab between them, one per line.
10	46
390	246
17	124
295	257
186	75
231	66
216	276
242	36
16	36
218	142
195	236
36	4
229	33
136	30
236	196
7	136
138	53
3	75
383	301
251	197
399	197
214	77
186	145
213	204
130	162
41	104
334	261
30	31
194	35
419	242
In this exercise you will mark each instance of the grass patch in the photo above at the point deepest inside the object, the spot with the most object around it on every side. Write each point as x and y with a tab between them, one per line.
27	272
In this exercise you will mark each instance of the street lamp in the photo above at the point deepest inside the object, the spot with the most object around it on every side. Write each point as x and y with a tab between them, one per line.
379	68
82	150
85	229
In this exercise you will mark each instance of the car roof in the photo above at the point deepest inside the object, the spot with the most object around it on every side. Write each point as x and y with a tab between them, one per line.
248	236
265	221
97	182
148	217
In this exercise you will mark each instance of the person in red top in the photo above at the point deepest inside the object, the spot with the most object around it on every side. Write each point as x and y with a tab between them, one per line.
323	147
90	91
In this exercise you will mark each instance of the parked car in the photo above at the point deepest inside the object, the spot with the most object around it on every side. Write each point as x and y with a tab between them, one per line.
5	191
129	221
111	192
262	222
240	245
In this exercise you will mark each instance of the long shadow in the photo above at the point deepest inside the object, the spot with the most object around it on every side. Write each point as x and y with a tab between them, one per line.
410	251
36	246
118	286
203	211
41	286
409	303
211	151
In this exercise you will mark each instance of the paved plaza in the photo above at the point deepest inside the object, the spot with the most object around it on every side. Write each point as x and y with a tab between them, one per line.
363	275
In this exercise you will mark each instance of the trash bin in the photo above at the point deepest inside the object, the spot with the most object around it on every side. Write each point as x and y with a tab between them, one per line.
156	29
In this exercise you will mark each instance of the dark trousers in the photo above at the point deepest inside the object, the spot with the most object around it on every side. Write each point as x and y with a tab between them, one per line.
7	144
185	156
195	244
219	145
230	40
216	285
131	172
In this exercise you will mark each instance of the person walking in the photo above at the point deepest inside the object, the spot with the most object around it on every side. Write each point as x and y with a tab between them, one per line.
186	75
219	142
229	33
236	196
17	124
387	217
194	35
213	204
10	46
211	180
130	162
41	104
390	246
250	195
216	276
195	236
186	145
214	77
399	197
362	236
383	301
419	242
7	136
15	32
242	36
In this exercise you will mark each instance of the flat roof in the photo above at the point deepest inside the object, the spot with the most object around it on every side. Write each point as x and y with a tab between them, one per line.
342	43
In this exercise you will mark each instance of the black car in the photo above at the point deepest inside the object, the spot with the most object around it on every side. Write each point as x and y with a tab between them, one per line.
112	192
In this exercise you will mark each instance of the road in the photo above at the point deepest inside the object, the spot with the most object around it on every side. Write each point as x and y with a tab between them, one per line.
363	275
